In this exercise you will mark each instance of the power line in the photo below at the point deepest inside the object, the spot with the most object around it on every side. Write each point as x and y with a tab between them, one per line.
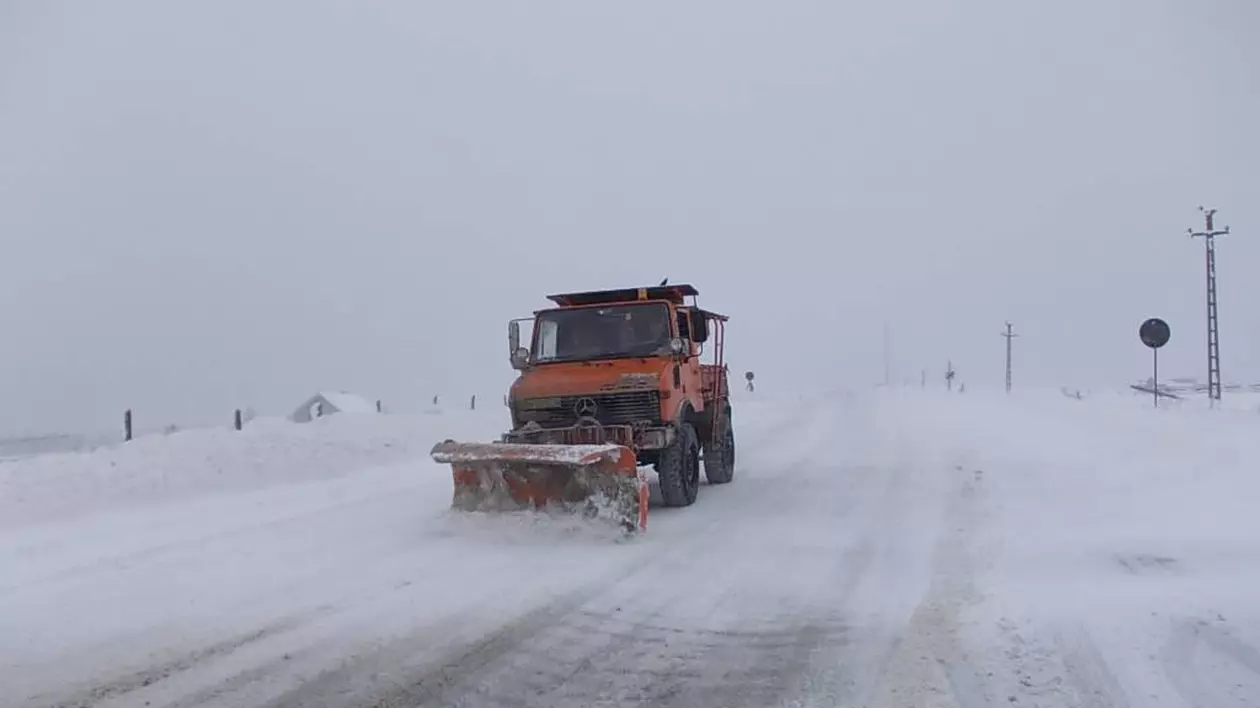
1209	234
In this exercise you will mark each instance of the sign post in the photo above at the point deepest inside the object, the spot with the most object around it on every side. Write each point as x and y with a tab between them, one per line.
1154	333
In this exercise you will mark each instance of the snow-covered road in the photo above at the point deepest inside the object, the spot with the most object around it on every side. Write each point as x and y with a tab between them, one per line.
905	549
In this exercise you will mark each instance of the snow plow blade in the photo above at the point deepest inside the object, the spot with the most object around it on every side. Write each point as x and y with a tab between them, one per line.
595	481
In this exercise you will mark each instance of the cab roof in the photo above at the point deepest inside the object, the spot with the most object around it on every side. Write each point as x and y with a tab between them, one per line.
672	293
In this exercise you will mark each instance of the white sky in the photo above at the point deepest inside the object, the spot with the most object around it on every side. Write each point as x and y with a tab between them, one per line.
239	203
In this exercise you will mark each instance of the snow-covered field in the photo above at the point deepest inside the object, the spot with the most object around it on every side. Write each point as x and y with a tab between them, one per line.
892	548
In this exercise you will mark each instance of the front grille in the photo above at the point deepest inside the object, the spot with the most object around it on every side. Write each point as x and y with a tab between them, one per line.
624	408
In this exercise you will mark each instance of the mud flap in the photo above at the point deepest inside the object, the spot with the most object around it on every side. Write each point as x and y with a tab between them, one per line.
595	481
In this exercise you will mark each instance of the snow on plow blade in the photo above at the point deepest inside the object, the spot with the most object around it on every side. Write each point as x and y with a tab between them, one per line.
595	481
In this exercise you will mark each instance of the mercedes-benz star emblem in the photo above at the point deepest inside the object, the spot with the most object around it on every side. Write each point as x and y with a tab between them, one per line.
585	407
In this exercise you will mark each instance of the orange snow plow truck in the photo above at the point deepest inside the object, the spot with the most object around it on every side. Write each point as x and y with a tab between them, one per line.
610	381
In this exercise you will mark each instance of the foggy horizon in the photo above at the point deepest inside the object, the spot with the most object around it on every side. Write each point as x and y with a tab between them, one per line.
226	206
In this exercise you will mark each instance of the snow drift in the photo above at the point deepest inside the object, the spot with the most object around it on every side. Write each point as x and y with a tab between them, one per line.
192	463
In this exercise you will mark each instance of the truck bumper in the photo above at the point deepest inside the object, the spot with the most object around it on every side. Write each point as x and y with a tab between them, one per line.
634	437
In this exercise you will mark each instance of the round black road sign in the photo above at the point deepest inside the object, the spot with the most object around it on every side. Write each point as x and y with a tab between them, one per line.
1154	333
748	375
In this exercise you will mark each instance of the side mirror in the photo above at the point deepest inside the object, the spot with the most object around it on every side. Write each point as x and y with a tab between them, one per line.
520	358
699	326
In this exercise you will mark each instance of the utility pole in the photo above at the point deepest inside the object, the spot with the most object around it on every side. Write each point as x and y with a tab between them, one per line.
887	356
949	376
1009	334
1209	234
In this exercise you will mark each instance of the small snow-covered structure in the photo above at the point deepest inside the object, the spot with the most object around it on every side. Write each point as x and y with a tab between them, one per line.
329	402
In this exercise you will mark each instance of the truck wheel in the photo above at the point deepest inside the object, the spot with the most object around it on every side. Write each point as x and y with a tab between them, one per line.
719	459
679	468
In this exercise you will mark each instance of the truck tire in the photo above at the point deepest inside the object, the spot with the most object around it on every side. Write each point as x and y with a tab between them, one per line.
719	458
679	468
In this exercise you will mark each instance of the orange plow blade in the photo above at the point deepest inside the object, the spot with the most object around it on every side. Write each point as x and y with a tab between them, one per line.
595	481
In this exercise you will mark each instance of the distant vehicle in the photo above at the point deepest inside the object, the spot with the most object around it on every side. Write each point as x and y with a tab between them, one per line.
611	380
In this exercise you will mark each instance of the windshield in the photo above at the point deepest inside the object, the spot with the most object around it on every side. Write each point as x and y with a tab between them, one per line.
601	333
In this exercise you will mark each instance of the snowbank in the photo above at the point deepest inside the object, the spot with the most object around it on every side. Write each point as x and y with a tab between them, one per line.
187	464
1104	474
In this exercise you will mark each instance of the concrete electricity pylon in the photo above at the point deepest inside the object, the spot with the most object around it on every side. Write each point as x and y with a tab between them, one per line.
1209	234
887	357
1009	334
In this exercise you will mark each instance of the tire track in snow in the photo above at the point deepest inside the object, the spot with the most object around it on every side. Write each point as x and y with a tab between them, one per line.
703	614
931	664
131	682
351	645
1183	660
283	659
622	649
406	673
273	678
1088	676
136	643
622	639
161	551
1057	666
632	657
608	664
665	655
